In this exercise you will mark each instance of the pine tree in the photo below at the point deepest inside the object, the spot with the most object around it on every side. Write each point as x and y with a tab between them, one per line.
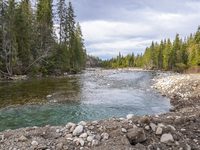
23	26
69	31
8	39
167	54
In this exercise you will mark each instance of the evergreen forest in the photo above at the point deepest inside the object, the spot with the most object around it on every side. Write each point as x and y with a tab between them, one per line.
178	55
40	38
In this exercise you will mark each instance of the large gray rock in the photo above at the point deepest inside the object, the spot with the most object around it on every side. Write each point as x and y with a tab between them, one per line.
136	135
165	138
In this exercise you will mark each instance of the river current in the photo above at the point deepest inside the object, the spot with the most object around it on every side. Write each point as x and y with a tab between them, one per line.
93	95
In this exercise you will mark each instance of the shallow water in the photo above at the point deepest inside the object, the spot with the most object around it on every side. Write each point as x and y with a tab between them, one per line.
93	95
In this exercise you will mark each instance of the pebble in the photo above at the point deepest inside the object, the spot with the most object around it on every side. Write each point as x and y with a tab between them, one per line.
68	136
34	143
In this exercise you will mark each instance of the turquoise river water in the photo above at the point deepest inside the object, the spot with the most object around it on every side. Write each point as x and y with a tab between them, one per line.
92	95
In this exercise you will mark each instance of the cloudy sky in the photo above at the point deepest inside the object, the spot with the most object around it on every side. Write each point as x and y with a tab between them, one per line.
110	26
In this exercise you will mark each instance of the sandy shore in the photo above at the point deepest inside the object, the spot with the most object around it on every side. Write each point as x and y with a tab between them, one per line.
176	130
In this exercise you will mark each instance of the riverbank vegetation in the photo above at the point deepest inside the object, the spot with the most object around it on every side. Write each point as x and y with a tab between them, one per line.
39	39
178	55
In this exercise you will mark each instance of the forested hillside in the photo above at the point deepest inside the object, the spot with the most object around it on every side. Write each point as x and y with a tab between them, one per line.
34	39
179	54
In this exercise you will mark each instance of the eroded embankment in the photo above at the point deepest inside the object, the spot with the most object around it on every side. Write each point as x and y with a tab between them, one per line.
178	130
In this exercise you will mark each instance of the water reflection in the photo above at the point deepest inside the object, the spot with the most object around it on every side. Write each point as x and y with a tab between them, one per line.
36	90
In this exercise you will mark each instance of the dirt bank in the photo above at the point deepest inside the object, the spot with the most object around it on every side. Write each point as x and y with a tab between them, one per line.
176	130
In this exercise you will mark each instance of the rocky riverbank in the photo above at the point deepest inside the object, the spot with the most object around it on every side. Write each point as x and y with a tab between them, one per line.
176	130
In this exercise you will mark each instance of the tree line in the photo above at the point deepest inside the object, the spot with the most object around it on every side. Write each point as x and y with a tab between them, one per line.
178	55
38	39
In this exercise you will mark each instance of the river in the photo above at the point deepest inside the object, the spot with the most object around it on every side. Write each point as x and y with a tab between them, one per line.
93	95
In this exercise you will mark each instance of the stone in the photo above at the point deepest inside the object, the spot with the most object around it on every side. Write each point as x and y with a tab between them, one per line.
83	135
90	138
82	123
129	116
59	146
91	127
159	131
188	147
136	135
78	130
147	128
68	136
23	139
94	123
98	137
183	130
65	147
165	138
69	139
79	141
95	142
171	127
34	143
76	141
144	120
180	121
124	130
124	140
69	125
153	126
105	136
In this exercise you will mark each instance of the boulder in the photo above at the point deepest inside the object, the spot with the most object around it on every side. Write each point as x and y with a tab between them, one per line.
136	135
